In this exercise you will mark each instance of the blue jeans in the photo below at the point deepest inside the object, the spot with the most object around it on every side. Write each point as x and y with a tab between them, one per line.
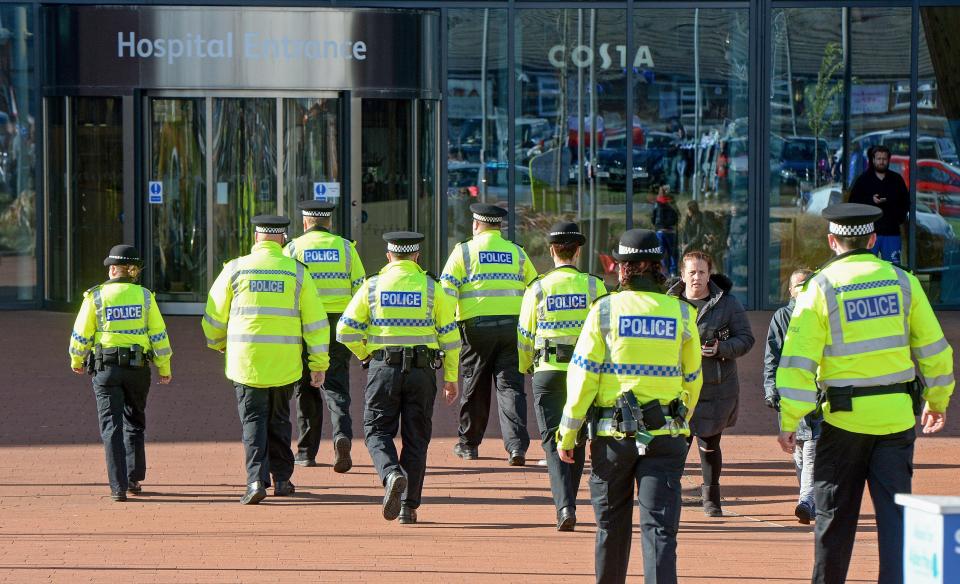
668	243
888	247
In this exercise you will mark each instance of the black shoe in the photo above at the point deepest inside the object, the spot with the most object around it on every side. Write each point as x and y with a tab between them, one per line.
341	449
284	489
465	452
118	496
304	460
408	516
566	519
255	493
395	486
517	458
711	501
134	487
804	513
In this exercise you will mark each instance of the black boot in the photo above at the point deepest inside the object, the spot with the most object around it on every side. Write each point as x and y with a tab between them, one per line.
711	500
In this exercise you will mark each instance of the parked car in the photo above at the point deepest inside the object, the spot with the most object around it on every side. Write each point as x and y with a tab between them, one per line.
936	177
462	175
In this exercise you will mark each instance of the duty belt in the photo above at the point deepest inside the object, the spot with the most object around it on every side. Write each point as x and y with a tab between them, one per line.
491	321
841	398
611	412
419	356
132	357
563	353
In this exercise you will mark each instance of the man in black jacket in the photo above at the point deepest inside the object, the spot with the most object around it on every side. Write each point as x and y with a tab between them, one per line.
881	187
809	429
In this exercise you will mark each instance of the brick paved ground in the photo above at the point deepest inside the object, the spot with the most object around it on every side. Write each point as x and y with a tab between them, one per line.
481	521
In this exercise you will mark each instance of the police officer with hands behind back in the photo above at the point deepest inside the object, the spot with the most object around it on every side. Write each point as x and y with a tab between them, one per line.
551	316
856	324
118	330
402	327
634	380
261	311
337	273
487	276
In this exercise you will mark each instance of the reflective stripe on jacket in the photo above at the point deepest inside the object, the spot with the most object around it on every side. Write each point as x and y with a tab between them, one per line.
334	264
119	313
487	276
644	342
402	306
856	323
264	310
553	311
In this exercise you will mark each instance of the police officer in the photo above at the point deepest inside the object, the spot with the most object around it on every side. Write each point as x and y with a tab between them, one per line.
261	310
856	324
337	272
118	330
487	276
551	316
402	328
637	362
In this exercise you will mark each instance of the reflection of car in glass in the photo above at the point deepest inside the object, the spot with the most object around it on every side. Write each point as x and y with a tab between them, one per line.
936	177
462	175
898	141
796	159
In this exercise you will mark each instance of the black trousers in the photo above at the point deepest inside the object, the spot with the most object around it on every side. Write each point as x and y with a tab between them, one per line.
549	396
489	355
844	462
267	432
121	394
336	394
400	401
617	468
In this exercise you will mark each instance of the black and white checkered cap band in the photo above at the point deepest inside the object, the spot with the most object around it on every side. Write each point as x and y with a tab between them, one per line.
270	230
317	213
396	248
850	230
555	233
625	250
487	218
124	258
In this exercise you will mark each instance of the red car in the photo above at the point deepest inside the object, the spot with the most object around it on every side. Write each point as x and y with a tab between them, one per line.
936	177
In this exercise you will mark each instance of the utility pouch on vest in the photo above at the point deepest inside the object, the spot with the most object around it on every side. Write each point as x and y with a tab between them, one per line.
564	353
421	358
840	398
678	409
123	356
628	416
652	415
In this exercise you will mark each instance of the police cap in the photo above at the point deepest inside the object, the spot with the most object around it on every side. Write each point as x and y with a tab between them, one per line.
316	208
272	224
403	241
851	219
487	213
566	232
638	245
123	255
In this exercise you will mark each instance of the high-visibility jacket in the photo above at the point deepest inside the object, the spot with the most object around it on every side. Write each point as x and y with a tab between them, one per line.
401	306
487	275
552	313
119	313
855	324
263	309
334	265
638	341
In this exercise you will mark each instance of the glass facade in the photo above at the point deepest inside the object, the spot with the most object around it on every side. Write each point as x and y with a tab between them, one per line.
18	155
553	112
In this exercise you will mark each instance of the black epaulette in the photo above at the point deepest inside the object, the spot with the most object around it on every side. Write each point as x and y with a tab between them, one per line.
91	289
368	276
432	275
904	268
467	240
301	263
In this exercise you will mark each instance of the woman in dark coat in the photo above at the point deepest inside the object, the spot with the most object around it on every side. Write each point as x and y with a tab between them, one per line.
726	336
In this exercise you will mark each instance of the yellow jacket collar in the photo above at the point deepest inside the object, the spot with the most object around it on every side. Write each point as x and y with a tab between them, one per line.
403	265
268	247
489	233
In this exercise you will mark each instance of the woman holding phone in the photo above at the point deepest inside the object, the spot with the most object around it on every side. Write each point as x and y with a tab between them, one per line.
726	336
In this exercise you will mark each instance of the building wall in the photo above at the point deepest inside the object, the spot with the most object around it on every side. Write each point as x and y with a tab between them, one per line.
756	115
